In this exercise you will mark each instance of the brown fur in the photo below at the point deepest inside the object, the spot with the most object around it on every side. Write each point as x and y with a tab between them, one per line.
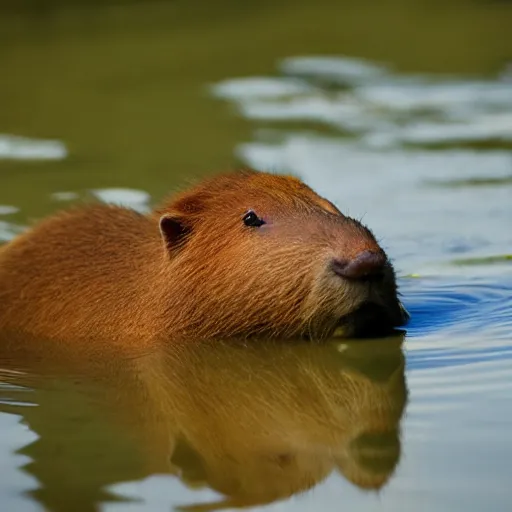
192	268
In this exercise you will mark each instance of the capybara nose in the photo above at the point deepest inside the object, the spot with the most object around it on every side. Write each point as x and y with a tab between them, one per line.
366	265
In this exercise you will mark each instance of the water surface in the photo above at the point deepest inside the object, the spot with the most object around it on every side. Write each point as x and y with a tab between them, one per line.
401	114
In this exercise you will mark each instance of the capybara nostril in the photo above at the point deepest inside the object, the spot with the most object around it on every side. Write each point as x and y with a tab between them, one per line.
366	265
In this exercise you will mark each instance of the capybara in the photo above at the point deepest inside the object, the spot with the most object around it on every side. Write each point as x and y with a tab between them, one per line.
242	254
254	422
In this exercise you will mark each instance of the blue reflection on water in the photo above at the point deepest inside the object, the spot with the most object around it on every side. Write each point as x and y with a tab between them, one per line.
457	309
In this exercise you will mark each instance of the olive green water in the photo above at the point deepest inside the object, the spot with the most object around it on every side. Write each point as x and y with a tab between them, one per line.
398	111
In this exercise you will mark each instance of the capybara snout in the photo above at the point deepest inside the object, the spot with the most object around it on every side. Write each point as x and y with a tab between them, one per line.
366	265
241	254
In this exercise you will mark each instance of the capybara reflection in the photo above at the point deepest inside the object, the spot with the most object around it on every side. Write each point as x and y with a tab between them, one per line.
240	255
255	422
275	420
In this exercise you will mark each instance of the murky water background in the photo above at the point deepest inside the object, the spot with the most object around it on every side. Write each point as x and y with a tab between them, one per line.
401	114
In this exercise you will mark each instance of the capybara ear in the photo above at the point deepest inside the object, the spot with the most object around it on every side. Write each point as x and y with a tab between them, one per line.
175	229
177	220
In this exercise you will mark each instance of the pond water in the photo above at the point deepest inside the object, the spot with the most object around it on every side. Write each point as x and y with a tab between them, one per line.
401	114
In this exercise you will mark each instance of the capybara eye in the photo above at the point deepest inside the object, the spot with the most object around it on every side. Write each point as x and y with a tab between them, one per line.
252	220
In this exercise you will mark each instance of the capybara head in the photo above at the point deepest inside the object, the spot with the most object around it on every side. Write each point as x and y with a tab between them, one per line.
261	254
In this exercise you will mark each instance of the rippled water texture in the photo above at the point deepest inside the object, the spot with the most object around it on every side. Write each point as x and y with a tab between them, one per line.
424	159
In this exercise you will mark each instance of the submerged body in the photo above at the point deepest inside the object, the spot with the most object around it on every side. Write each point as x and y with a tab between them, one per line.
242	254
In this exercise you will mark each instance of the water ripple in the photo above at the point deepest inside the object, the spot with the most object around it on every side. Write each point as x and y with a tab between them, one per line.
382	108
464	306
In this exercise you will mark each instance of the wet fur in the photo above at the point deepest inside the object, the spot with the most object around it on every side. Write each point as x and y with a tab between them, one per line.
191	268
